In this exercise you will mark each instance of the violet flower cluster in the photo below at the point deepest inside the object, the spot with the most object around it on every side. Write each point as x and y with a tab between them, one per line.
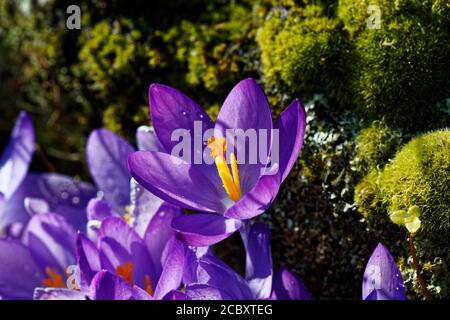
146	230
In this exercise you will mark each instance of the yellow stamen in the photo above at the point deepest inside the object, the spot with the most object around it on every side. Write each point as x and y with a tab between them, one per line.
54	280
148	285
127	215
126	272
235	171
230	180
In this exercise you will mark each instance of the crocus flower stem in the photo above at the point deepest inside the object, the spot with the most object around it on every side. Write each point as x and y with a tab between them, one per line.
418	268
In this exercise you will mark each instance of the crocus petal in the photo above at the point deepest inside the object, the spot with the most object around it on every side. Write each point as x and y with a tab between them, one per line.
201	230
99	209
286	286
172	272
258	266
2	204
16	157
144	206
58	294
159	232
257	200
140	294
171	110
215	273
36	206
147	140
291	125
382	274
88	260
175	181
120	244
66	197
51	240
193	256
107	155
19	274
206	292
175	295
107	286
246	108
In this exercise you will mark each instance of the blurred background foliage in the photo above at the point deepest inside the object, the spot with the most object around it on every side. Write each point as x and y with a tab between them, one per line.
377	102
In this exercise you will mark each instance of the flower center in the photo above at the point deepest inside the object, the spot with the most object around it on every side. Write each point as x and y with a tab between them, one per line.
54	280
230	180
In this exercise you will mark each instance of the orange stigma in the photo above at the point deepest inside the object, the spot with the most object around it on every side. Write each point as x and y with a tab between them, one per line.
126	272
54	280
148	285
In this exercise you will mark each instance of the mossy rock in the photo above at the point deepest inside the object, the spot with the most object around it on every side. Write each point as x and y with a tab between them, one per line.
419	175
377	144
401	70
302	48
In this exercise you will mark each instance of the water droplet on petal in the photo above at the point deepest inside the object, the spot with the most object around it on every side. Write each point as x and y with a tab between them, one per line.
185	114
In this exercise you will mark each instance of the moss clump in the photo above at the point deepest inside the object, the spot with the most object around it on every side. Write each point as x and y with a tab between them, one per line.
303	49
218	52
400	70
418	175
114	54
376	144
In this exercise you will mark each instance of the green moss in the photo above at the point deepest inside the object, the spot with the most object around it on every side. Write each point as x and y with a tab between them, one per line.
113	54
401	70
303	49
111	51
418	175
376	144
218	53
367	195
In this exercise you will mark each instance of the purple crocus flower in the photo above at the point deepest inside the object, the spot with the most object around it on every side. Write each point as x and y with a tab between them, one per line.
212	279
107	155
121	265
61	194
225	197
382	279
39	259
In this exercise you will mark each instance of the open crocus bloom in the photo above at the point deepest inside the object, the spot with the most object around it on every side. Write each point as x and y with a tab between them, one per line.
212	279
107	155
40	259
382	278
122	265
228	188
